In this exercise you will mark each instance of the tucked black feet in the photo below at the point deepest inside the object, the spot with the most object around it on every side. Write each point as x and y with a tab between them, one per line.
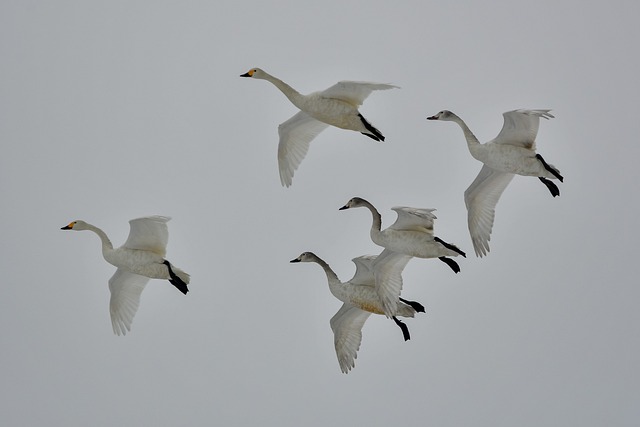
405	330
551	186
375	133
451	263
548	167
414	304
450	246
175	280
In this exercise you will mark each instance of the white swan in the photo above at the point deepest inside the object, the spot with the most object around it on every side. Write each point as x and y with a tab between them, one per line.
139	259
410	236
512	152
336	106
360	300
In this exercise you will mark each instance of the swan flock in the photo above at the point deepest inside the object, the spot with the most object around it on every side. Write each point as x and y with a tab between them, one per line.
377	284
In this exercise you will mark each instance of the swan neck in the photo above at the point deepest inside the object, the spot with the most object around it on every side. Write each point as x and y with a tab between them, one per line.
106	243
332	277
469	136
376	225
293	95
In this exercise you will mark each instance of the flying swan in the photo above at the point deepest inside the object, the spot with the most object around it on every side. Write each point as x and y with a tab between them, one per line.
512	152
410	236
142	257
359	299
336	106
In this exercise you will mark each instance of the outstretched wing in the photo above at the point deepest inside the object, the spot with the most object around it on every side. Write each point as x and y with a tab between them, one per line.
125	290
413	219
521	127
347	325
295	136
149	234
364	270
387	271
481	198
353	92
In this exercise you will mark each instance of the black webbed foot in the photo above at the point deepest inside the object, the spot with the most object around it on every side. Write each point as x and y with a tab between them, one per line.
450	246
405	330
375	133
451	263
175	280
548	167
551	186
414	304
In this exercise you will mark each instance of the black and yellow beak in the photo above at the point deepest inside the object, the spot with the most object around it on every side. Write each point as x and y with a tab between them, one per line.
247	74
68	227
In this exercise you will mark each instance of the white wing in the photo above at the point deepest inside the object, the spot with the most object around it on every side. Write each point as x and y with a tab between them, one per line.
149	234
387	271
353	92
521	127
413	219
295	136
347	325
481	198
364	270
125	290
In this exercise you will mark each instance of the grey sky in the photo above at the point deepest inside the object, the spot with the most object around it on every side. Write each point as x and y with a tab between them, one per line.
114	110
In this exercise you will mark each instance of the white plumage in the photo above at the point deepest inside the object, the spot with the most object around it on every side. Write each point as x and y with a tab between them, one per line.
510	153
140	258
336	106
360	299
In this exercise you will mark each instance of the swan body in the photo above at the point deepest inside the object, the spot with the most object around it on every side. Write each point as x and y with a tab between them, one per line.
140	258
360	300
512	152
336	106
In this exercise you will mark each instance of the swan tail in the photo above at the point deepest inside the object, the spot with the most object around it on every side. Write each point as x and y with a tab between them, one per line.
551	186
177	277
375	133
419	308
552	169
451	263
403	327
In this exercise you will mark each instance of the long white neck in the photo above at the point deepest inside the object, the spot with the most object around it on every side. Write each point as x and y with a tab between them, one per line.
107	246
472	142
294	96
335	285
376	224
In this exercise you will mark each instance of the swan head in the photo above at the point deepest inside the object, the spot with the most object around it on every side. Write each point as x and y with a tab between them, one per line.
77	225
355	202
444	115
306	257
256	73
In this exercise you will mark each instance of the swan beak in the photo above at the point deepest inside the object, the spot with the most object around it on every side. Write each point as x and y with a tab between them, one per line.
343	208
432	118
68	227
247	74
295	260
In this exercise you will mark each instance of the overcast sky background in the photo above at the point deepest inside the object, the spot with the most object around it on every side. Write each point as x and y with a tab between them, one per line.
115	110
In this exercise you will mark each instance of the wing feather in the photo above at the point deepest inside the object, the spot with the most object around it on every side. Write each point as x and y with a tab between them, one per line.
481	198
347	325
126	289
353	92
295	136
149	234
